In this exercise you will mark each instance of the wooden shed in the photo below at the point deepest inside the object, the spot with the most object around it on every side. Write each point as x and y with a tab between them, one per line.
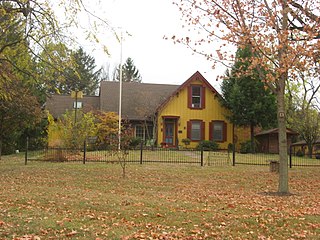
268	141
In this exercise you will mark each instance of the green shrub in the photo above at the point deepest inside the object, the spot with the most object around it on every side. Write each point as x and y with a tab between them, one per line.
208	145
135	142
246	147
186	141
230	147
300	153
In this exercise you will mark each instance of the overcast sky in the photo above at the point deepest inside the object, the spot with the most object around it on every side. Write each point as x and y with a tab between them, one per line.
158	60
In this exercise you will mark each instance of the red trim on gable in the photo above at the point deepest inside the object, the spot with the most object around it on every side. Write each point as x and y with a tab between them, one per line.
196	76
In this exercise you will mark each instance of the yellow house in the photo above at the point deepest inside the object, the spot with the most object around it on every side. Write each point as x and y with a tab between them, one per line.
162	113
193	111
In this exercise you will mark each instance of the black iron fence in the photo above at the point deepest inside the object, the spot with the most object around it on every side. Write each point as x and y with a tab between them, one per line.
139	156
143	155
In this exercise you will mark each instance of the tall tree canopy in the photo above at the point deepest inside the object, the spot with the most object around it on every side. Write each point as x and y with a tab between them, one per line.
83	75
130	73
34	24
19	111
246	96
303	106
283	34
29	32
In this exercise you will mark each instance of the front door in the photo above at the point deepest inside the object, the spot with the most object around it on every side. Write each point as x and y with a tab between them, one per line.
169	133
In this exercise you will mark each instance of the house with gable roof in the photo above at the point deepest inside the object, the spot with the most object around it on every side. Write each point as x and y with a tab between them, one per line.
162	112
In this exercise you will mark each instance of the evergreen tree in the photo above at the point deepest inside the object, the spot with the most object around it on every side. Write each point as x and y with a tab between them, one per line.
83	75
129	72
246	96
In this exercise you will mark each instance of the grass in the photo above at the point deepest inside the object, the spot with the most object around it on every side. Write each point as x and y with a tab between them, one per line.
92	201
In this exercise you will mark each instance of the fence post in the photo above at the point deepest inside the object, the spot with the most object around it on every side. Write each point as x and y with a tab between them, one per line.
26	154
290	156
84	151
233	154
141	151
201	156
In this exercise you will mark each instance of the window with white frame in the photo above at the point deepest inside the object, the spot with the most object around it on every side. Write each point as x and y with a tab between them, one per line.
196	96
77	105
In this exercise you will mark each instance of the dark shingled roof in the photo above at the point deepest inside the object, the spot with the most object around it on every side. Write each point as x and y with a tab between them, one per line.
138	99
59	104
275	130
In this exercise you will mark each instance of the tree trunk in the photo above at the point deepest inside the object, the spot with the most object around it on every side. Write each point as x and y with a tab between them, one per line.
310	147
0	148
253	147
281	84
283	151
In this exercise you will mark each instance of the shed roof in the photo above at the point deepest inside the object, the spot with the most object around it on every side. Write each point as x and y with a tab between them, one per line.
301	143
275	130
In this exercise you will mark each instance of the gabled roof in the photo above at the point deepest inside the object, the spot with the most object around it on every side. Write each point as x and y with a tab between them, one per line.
138	99
196	76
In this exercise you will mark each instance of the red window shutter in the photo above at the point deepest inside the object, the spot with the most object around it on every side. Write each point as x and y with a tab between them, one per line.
210	131
203	131
189	96
225	131
189	129
203	98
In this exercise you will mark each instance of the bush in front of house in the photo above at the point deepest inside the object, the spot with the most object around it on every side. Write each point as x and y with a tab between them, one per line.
135	142
246	147
299	153
207	145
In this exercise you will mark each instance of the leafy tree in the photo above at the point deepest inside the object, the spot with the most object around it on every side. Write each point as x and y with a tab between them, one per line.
108	133
303	106
108	123
246	96
307	124
129	72
37	26
52	62
283	35
19	111
67	132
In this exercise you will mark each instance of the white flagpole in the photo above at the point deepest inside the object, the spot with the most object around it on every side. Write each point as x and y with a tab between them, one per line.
120	93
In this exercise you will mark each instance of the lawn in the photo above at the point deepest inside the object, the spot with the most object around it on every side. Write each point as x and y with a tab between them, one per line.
92	201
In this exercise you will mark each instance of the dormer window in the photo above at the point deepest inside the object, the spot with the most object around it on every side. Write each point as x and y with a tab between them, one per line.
196	98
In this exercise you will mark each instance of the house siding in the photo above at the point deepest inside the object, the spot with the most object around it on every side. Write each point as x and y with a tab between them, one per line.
178	106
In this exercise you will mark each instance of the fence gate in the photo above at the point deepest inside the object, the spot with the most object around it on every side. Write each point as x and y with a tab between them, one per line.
217	158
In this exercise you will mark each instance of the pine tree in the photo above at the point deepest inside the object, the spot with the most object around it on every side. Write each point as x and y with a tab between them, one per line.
246	96
129	72
83	76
